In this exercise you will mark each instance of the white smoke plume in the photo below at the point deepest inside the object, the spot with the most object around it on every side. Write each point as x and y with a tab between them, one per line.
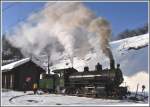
62	28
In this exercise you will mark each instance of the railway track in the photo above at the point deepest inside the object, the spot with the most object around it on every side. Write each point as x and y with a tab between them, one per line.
21	99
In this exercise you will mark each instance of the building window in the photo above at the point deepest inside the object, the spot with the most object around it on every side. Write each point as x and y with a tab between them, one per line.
11	81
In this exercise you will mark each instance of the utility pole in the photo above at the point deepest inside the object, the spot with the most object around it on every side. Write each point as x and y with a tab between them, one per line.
137	89
48	63
72	61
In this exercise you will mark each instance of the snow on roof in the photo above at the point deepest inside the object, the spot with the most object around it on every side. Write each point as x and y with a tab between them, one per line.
14	64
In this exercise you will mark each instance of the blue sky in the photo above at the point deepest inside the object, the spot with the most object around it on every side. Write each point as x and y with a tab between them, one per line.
121	15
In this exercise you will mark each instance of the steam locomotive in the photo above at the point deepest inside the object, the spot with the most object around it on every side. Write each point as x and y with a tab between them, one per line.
97	83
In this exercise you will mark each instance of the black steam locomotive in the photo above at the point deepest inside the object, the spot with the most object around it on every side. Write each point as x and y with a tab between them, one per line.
97	83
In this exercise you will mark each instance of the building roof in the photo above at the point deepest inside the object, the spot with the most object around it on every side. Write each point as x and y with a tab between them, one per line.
14	64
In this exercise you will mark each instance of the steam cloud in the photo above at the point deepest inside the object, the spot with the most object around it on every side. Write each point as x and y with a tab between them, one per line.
62	28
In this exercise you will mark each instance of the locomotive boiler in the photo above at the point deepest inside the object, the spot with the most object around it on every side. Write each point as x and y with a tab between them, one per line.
97	83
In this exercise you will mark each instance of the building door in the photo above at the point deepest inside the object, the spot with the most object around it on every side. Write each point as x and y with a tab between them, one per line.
8	81
28	81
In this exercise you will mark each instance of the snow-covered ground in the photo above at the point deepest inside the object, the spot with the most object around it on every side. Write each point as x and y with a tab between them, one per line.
14	98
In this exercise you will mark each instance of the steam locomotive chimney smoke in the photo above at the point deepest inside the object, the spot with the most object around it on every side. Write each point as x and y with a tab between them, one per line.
102	28
63	28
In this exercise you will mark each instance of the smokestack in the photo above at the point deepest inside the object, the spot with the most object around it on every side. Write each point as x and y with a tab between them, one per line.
86	69
103	29
112	64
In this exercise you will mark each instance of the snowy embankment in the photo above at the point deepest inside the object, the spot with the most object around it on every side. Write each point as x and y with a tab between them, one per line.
132	54
19	98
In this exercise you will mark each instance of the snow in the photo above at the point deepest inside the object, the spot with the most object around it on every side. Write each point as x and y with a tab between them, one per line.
136	41
14	98
139	78
14	64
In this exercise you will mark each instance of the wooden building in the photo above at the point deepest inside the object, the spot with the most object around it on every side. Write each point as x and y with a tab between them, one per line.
15	74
